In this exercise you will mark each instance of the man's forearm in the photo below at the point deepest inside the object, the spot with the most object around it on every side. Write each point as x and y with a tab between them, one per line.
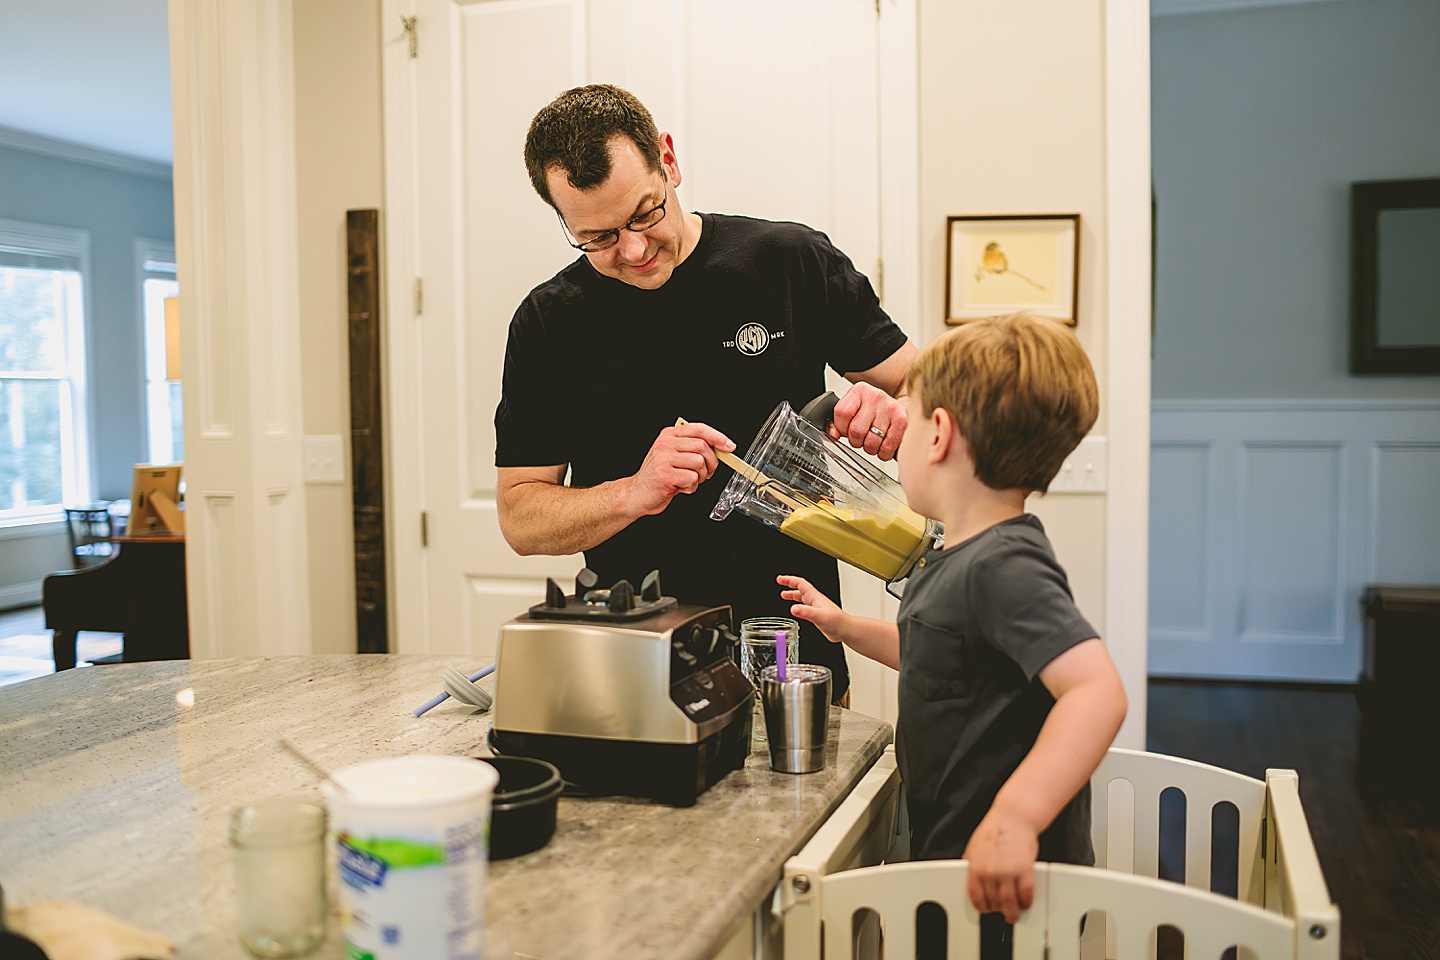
555	520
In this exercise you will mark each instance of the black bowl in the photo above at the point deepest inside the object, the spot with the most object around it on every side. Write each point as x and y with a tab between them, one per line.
15	947
522	816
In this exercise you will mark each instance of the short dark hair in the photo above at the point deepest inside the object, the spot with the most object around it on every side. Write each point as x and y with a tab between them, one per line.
573	132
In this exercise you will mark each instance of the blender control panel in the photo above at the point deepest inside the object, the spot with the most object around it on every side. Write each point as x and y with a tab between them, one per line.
704	680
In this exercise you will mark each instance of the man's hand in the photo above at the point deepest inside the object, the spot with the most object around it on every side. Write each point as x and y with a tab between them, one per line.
871	419
1002	855
680	459
812	605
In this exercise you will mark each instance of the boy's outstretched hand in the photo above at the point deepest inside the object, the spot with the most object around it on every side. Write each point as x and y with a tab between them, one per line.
1002	855
877	639
812	605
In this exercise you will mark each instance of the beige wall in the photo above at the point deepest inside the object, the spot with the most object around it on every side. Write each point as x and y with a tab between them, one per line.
339	151
1012	120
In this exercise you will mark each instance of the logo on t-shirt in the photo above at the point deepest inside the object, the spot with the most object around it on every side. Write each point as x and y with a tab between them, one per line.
751	339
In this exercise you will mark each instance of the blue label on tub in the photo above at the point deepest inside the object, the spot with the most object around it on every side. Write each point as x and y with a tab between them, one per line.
358	868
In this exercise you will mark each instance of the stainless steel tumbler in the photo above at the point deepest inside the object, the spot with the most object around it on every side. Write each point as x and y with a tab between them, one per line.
797	716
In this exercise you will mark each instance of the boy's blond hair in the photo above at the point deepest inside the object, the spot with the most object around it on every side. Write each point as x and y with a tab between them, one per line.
1021	390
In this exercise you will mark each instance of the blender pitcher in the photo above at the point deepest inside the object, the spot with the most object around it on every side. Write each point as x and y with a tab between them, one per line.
827	495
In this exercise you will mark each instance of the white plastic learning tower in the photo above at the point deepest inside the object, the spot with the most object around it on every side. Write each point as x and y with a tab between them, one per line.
831	888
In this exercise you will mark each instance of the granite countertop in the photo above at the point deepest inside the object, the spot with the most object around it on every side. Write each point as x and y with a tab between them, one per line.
116	782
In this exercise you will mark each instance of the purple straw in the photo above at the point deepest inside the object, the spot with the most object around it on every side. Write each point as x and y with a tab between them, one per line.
780	655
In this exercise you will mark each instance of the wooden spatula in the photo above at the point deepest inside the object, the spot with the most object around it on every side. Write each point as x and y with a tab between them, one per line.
776	489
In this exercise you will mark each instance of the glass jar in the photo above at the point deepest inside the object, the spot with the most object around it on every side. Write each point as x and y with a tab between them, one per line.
279	851
758	636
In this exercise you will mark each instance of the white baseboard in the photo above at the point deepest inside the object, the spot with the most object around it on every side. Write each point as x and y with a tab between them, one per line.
20	595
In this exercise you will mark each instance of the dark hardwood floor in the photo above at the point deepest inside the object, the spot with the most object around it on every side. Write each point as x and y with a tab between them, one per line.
1376	824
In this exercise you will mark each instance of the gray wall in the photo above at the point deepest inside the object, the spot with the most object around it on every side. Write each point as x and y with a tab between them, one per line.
1261	120
1407	304
115	208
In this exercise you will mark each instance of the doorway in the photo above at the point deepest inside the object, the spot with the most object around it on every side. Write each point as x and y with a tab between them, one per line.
812	154
85	159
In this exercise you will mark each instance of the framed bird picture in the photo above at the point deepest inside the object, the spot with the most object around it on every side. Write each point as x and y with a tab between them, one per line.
1006	263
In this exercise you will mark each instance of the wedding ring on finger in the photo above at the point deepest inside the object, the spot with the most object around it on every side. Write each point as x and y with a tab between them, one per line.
878	432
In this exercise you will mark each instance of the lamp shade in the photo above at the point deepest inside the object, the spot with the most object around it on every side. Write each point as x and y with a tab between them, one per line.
172	338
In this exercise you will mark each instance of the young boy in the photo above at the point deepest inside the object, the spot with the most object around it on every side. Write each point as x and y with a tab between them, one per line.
1008	699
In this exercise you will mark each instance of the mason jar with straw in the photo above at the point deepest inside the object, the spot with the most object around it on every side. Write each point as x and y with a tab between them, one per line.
759	637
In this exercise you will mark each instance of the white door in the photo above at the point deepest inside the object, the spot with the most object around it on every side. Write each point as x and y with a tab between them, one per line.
773	109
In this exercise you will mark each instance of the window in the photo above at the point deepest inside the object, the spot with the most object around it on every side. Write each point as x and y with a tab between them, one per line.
44	463
164	414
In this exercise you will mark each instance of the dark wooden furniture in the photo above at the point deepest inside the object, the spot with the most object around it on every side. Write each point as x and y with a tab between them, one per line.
91	531
1398	707
140	593
367	442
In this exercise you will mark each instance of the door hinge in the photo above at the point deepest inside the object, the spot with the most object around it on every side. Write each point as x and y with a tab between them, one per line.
409	24
880	279
877	11
419	297
424	529
1264	838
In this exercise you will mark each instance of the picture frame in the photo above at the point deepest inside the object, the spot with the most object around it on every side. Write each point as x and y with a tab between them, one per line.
1005	263
155	501
1394	288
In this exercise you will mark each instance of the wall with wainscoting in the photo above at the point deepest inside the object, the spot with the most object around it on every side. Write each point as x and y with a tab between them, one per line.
1269	518
1281	485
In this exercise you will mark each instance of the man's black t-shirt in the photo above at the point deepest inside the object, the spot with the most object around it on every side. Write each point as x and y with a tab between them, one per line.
978	623
596	368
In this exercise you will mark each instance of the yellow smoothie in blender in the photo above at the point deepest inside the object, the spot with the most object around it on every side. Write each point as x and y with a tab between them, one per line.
877	545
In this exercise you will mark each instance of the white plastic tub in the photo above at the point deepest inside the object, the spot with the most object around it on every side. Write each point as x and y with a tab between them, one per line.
411	837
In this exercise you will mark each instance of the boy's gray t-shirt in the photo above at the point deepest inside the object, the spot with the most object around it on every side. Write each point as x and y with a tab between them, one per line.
977	624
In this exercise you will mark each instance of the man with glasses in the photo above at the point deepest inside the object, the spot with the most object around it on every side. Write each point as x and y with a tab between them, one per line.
672	314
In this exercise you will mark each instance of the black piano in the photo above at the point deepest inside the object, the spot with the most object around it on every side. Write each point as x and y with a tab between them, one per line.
140	592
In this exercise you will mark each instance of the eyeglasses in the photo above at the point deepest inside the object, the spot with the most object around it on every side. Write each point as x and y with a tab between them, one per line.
639	223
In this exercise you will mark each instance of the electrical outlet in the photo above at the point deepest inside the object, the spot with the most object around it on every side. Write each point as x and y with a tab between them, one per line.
324	459
1084	470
